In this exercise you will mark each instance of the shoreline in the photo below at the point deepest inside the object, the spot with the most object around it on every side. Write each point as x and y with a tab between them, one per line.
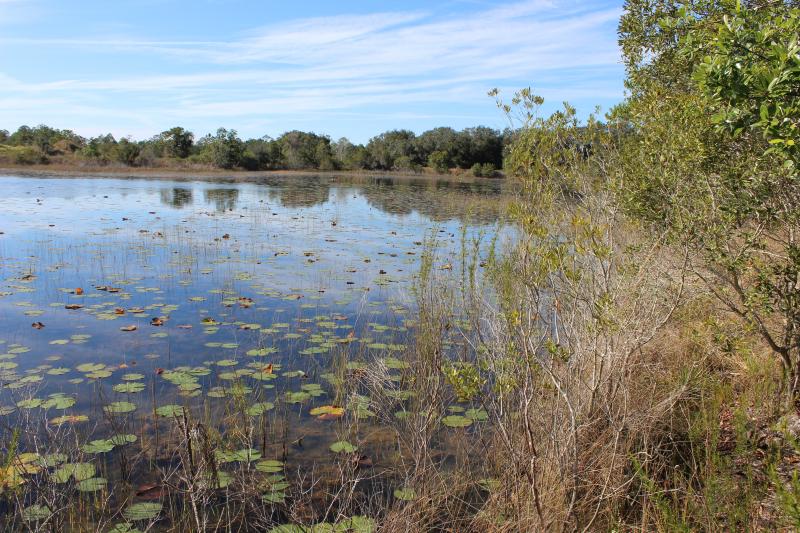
238	176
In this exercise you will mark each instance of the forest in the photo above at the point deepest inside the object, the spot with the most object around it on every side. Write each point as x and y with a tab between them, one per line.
478	150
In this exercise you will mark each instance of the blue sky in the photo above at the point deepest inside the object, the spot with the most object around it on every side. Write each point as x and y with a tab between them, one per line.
342	67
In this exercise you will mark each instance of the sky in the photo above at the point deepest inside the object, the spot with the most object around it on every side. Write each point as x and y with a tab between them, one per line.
344	68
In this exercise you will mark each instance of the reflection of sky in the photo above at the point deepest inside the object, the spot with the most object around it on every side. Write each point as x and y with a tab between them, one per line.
165	243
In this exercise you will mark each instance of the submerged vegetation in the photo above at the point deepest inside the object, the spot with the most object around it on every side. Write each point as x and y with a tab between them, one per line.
615	349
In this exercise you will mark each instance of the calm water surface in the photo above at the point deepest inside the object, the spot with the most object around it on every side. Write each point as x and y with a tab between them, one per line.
140	294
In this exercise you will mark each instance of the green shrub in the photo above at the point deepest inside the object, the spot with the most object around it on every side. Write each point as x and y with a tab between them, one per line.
483	170
439	161
21	155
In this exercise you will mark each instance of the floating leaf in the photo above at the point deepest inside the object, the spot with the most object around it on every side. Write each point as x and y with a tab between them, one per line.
120	407
90	367
98	446
343	446
92	484
258	409
58	402
269	466
31	403
121	440
142	511
477	415
246	455
457	421
327	412
170	411
296	397
35	513
129	388
69	419
405	493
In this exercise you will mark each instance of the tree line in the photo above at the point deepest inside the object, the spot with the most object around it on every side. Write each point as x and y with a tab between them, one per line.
479	149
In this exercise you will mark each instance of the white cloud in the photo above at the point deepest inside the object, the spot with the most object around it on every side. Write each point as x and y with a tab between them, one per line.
343	64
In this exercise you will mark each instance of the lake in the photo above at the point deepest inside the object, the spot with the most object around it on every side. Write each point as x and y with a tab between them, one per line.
138	314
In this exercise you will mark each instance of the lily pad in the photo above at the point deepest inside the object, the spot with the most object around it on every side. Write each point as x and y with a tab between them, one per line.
120	407
129	388
93	484
35	513
142	511
98	446
258	409
342	446
170	411
457	421
405	494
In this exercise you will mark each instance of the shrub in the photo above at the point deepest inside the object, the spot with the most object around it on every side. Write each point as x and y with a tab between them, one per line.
483	170
439	161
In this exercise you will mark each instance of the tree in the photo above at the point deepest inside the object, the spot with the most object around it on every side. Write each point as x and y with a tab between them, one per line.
262	154
101	147
437	140
439	161
350	156
127	151
485	145
302	150
711	157
178	142
3	136
225	149
388	147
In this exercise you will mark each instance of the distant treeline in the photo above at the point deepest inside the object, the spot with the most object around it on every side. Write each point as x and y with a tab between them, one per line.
479	150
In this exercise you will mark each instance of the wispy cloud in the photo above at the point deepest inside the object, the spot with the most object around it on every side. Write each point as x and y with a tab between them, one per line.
345	64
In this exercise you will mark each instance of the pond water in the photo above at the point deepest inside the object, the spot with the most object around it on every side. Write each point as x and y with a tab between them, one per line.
125	301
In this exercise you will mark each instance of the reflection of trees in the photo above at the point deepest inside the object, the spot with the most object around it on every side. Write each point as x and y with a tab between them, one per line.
223	199
480	202
177	197
438	200
301	192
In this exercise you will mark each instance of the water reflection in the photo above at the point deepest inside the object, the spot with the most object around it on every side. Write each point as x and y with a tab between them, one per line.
177	197
222	199
440	200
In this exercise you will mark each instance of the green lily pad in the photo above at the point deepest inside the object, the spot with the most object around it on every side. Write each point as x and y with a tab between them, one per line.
343	446
31	403
405	494
142	511
120	407
269	466
121	440
93	484
170	411
457	421
245	455
35	513
129	388
477	415
357	524
258	409
98	446
90	367
275	496
79	471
